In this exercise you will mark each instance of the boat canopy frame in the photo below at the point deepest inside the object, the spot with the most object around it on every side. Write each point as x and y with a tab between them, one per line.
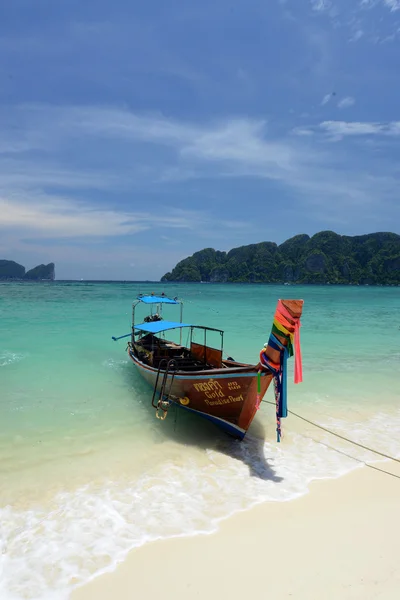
159	326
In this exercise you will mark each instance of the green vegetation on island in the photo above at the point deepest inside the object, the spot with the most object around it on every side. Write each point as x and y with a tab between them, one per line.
326	257
12	271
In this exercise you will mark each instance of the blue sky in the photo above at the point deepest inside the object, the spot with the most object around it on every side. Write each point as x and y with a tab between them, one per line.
135	133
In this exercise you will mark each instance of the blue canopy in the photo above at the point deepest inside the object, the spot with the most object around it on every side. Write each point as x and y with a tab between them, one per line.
157	300
158	326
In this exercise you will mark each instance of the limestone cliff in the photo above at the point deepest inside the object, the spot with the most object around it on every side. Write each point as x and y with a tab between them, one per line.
12	271
41	272
326	257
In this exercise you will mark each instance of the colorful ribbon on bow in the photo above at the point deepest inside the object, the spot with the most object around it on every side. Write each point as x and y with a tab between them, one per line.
284	341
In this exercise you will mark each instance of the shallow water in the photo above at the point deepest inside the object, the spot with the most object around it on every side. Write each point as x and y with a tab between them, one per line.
87	472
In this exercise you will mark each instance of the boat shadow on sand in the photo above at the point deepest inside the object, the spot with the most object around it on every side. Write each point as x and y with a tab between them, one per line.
188	429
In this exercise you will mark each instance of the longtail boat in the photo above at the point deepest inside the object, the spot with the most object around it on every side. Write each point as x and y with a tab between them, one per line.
195	376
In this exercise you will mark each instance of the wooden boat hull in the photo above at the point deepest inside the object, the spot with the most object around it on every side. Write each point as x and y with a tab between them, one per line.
226	396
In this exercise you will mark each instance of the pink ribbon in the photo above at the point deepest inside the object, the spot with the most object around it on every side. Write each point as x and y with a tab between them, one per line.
298	363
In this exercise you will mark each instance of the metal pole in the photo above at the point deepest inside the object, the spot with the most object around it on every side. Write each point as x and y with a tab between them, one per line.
180	333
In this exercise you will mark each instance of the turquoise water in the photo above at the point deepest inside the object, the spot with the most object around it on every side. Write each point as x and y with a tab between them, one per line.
87	472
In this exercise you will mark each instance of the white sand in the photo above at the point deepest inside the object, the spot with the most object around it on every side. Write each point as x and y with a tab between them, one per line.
341	541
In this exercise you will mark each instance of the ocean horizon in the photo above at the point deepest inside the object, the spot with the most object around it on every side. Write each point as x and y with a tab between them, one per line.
179	283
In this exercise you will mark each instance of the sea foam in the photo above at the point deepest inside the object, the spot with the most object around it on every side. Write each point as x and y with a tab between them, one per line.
48	551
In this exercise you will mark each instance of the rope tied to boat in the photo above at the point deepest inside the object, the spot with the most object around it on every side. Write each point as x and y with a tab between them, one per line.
342	437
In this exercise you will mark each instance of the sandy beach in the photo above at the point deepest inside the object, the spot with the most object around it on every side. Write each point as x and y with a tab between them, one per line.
340	541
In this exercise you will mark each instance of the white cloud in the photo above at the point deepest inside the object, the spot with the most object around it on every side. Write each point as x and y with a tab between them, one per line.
53	217
394	5
326	99
34	173
237	142
346	102
340	129
353	16
243	143
165	151
393	128
171	151
369	3
321	5
357	35
302	131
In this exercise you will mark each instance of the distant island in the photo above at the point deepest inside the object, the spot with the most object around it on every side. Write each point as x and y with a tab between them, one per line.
326	257
12	271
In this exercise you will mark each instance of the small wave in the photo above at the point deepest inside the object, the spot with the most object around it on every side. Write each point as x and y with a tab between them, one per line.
9	358
91	530
380	432
112	363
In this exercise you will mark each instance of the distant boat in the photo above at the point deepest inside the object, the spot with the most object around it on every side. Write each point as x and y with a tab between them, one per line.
198	379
